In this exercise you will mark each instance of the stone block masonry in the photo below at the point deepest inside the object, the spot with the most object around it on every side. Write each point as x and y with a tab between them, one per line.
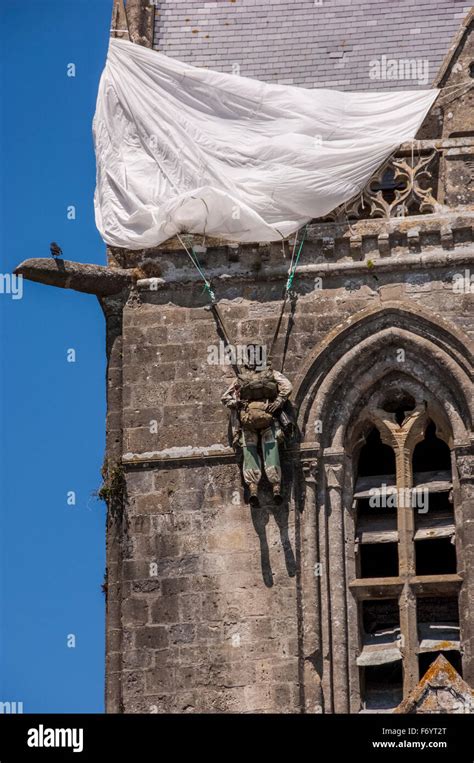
210	595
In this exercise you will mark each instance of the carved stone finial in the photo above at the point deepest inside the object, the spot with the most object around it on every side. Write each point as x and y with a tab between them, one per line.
441	690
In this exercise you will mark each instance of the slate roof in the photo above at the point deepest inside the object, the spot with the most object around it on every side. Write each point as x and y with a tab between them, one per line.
313	43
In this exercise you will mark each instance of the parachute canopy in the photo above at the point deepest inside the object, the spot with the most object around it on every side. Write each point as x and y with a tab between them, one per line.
184	149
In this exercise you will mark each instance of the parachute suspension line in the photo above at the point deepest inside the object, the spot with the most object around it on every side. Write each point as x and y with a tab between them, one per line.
208	289
218	316
288	287
277	330
193	257
348	222
293	250
289	282
466	81
454	89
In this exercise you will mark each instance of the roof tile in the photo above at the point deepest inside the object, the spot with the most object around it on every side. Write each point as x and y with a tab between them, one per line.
306	40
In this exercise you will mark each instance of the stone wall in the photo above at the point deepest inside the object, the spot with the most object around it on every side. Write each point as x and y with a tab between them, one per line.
211	605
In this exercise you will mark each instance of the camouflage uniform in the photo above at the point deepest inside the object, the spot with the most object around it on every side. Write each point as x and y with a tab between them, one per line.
257	396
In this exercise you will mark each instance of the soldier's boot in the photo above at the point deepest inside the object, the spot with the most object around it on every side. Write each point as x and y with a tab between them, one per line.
277	496
253	500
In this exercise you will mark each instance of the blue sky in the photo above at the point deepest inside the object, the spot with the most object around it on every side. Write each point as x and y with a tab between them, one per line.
52	412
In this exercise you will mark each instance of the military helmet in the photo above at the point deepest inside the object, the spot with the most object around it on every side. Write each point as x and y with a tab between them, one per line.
255	355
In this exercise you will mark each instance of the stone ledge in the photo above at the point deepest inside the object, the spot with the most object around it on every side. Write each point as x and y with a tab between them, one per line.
348	268
186	453
190	455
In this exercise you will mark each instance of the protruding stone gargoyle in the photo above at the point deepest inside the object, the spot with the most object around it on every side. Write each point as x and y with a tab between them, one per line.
92	279
257	397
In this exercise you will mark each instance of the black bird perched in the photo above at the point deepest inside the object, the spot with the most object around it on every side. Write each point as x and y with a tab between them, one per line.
55	249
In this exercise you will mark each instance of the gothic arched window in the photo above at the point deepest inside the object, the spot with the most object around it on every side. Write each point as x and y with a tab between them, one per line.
385	527
405	583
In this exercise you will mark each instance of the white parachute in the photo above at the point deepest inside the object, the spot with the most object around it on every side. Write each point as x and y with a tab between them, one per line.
184	149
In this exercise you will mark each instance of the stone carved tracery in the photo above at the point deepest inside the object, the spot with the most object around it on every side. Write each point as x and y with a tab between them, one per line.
407	183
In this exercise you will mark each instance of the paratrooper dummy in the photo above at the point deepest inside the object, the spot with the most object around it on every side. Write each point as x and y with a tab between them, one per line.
256	398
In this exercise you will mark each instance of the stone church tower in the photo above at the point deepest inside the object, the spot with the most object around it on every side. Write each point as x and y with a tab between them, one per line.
331	602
